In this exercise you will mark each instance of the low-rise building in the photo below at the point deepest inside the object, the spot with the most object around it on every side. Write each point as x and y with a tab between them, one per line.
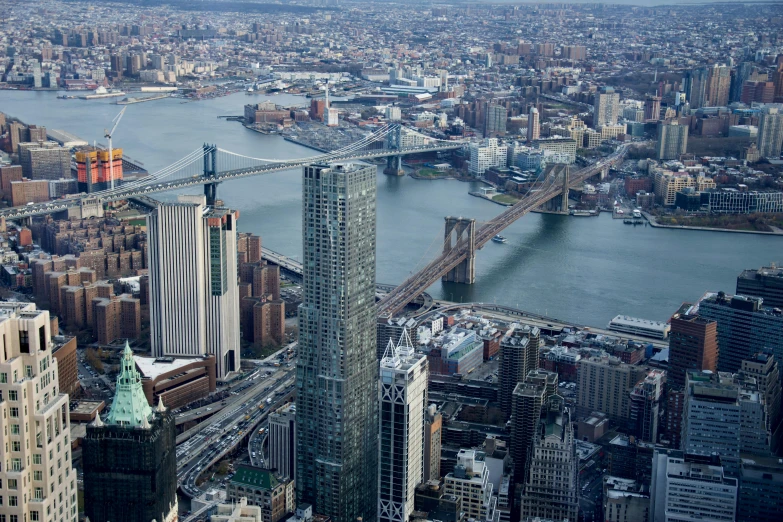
177	381
259	487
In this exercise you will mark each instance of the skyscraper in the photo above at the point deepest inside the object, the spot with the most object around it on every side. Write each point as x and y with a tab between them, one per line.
529	398
693	345
740	76
770	136
337	368
433	428
194	304
402	397
282	441
745	328
130	467
551	478
495	120
607	107
38	480
695	86
718	84
672	140
518	356
533	125
766	282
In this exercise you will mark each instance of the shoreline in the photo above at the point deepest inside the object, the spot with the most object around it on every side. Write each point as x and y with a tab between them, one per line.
654	223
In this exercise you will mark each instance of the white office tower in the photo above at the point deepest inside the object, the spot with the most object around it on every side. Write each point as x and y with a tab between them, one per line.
687	488
38	481
470	481
402	399
194	295
282	441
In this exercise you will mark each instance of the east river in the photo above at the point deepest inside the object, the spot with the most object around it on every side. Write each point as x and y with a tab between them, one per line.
578	269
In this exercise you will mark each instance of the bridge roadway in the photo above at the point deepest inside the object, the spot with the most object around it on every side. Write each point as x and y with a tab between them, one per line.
395	300
136	191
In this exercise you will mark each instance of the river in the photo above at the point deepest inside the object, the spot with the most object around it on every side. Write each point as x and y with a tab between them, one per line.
578	269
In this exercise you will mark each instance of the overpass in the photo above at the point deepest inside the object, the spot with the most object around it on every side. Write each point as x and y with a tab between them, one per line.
462	238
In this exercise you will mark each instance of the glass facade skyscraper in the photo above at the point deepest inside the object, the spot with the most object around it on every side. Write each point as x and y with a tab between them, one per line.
337	368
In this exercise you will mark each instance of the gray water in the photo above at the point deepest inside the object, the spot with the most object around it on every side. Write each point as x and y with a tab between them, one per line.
583	270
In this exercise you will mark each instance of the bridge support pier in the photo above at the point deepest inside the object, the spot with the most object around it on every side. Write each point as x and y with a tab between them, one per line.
463	233
210	191
394	166
559	205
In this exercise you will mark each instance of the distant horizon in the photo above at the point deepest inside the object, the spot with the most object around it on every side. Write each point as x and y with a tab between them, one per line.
643	3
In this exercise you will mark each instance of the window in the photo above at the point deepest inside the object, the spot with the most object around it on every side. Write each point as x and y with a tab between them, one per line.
14	429
38	494
13	500
13	395
14	412
12	484
16	445
38	475
34	516
16	464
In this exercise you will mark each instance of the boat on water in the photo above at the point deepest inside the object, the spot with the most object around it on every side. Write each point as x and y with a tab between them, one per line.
499	239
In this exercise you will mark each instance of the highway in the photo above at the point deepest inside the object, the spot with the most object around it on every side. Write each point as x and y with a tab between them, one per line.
213	439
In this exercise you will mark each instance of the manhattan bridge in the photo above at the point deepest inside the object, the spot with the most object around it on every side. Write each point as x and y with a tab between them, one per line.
211	165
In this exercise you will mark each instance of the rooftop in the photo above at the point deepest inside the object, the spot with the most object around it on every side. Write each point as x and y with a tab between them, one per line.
255	477
152	368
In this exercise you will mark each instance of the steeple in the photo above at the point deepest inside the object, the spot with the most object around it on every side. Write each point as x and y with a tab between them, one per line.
130	407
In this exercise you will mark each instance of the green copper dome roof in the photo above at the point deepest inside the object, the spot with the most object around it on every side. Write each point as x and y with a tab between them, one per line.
130	407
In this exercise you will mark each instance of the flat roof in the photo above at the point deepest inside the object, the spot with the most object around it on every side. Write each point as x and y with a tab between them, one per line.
153	368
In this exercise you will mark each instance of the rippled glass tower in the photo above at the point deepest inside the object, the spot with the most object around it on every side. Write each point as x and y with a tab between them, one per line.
337	369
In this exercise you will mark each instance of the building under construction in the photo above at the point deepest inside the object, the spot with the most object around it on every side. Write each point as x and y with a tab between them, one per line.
95	171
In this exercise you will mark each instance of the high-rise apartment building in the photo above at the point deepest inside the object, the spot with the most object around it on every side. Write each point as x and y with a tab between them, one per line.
605	384
551	489
718	84
607	107
282	441
646	405
44	160
745	328
528	399
694	84
495	120
741	75
337	367
533	125
672	140
402	397
470	482
518	356
770	135
194	300
689	487
766	282
38	480
130	467
693	345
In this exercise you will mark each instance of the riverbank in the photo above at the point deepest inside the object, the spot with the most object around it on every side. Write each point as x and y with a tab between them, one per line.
654	223
302	143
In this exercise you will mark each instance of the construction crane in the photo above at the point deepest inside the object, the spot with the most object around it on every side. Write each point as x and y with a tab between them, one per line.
108	134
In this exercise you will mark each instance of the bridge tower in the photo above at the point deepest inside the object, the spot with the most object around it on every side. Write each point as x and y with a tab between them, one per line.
210	171
558	205
463	230
394	163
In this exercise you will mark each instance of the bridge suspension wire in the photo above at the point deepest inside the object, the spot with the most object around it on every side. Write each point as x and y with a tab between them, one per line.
371	138
193	157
